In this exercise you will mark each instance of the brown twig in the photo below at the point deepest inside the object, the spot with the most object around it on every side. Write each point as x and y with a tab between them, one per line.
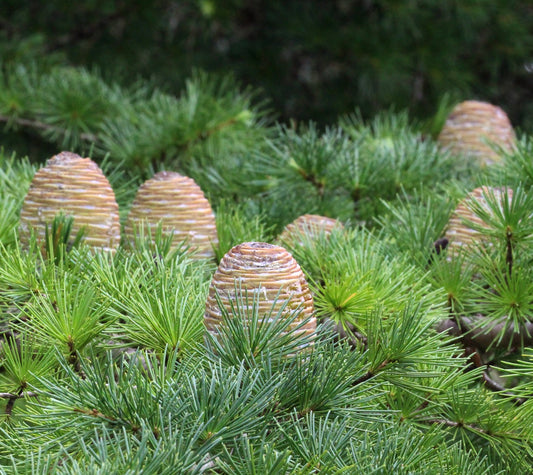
12	398
370	374
311	178
18	396
449	423
38	125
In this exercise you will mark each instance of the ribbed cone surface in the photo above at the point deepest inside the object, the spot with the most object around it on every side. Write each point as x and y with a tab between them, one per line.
270	268
77	187
308	224
179	204
472	126
458	233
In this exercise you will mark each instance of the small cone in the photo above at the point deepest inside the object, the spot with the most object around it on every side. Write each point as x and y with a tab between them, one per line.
472	127
308	224
77	187
179	204
265	268
458	233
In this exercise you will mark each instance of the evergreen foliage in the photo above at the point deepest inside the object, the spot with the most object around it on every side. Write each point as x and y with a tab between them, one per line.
315	60
422	359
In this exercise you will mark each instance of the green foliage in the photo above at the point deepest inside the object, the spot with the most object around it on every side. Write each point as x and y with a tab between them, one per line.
160	305
106	366
142	127
15	178
67	314
249	337
315	61
238	224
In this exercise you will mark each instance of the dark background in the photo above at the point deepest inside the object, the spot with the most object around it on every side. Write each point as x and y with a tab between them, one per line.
312	59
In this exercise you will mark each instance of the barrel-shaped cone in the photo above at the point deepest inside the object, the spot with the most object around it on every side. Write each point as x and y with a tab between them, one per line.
311	225
477	129
178	204
459	231
76	187
269	273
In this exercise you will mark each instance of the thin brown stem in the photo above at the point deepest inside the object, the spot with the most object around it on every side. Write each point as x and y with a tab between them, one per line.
38	125
74	359
509	255
311	178
370	373
12	398
450	423
20	395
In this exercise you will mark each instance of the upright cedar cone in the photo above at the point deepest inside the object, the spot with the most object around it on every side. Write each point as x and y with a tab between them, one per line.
265	268
179	204
458	232
473	126
77	187
308	224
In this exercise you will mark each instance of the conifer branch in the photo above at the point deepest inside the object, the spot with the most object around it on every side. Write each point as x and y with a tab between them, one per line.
42	126
455	424
509	253
205	134
311	178
370	373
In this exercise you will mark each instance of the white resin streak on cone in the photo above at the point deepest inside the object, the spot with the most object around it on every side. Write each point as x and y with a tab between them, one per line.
264	269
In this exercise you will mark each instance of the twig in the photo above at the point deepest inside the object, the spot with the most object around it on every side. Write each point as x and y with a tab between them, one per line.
18	396
12	398
449	423
371	373
205	134
311	178
38	125
475	335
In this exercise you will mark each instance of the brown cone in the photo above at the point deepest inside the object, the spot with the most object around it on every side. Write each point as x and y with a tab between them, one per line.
472	127
77	187
458	233
179	204
265	268
308	224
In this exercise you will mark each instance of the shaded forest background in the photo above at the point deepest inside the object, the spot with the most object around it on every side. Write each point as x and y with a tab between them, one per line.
312	59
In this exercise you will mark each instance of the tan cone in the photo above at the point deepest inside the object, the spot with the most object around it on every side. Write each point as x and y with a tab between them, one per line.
458	232
77	187
179	204
268	270
308	224
472	127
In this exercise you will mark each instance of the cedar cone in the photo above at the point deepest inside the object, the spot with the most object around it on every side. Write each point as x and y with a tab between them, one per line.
77	187
179	204
472	127
308	224
265	268
458	232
